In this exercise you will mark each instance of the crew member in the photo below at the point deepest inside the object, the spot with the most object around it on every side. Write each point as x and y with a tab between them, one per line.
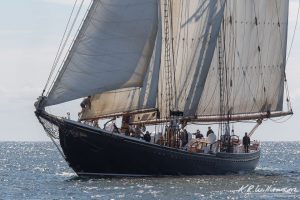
209	131
147	137
199	135
246	142
86	103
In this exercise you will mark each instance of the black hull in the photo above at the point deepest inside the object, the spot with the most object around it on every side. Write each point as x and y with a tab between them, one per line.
95	152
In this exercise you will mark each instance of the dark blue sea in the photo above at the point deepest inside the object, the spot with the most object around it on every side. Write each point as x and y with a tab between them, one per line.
35	170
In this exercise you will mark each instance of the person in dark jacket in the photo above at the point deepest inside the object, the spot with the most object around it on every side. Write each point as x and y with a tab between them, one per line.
209	131
246	142
184	137
147	137
198	135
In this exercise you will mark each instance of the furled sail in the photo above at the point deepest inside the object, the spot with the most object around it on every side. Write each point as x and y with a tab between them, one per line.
252	53
193	29
112	51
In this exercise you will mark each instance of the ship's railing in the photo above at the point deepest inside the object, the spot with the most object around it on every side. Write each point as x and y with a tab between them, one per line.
254	145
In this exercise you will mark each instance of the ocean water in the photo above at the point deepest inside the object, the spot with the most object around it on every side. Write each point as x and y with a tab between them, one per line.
35	170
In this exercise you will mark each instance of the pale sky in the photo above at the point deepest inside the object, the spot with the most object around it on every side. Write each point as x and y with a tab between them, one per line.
30	33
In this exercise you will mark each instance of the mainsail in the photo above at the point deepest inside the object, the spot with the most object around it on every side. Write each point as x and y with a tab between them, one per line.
253	53
113	50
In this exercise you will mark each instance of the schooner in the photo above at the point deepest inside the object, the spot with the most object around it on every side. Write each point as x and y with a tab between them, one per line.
169	64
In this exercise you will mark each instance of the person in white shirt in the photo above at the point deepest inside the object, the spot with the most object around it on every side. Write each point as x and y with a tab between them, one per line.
211	139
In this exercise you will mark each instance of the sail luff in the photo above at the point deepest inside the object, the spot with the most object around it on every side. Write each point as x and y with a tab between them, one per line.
112	50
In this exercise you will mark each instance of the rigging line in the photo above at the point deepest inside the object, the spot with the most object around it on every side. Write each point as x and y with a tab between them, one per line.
226	70
278	119
280	122
297	18
220	72
167	54
65	43
59	48
233	55
221	76
171	57
174	96
180	34
59	150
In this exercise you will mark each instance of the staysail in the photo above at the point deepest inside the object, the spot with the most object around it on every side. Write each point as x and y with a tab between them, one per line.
112	51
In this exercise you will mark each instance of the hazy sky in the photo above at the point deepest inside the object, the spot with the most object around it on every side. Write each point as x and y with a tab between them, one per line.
30	32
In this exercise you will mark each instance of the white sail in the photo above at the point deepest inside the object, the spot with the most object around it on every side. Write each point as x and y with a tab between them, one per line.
112	51
194	27
254	38
129	99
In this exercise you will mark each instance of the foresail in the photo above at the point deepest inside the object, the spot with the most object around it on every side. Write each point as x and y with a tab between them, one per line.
129	99
112	51
254	37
